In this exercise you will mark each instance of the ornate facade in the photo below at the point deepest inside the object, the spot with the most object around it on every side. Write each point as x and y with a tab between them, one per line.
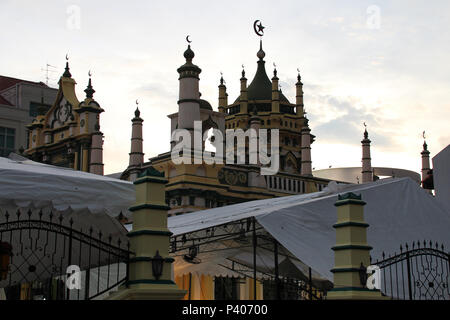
68	134
261	104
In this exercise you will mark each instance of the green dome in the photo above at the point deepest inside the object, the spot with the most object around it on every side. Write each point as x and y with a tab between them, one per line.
261	87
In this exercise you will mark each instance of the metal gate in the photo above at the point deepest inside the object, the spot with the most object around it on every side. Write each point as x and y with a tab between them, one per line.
418	272
43	256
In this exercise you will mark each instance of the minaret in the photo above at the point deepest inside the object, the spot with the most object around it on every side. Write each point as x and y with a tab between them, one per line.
243	99
275	93
189	94
299	96
367	174
136	153
425	160
306	169
96	157
223	96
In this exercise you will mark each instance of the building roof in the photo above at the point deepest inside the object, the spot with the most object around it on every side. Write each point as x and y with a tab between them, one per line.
261	87
8	82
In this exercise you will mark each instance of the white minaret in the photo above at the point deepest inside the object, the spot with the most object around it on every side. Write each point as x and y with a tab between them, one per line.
136	152
367	173
96	159
189	94
306	169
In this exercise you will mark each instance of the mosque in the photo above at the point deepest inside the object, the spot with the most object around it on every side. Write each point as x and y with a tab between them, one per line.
69	135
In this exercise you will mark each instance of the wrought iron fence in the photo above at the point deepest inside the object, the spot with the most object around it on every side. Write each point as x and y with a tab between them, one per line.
42	249
291	289
419	272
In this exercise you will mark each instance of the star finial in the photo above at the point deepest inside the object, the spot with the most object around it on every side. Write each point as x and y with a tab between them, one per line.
260	28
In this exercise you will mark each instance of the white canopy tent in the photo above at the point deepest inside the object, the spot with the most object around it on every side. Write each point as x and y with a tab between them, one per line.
91	201
397	210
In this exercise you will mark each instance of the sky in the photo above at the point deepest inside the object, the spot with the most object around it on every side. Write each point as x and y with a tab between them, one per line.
380	62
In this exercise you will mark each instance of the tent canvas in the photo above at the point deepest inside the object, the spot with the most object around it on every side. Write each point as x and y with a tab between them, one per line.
397	210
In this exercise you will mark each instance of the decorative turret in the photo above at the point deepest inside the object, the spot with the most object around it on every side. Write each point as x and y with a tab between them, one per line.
189	95
223	96
67	73
136	153
425	161
367	173
299	95
306	167
275	92
243	98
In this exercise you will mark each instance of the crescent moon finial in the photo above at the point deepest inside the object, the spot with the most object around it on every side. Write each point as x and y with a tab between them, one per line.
137	102
258	28
423	134
67	57
365	125
187	39
89	73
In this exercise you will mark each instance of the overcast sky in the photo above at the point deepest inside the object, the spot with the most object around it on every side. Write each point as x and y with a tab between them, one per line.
382	62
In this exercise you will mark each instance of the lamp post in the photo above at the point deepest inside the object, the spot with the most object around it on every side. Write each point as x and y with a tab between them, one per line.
5	254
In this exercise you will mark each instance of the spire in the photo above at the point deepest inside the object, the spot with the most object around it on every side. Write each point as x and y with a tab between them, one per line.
260	54
136	152
189	54
223	101
66	70
274	72
425	161
89	90
367	173
299	95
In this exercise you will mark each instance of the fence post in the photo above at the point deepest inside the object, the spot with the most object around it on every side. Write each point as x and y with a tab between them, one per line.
408	265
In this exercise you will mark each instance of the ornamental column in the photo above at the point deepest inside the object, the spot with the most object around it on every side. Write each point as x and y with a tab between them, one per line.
425	162
136	152
223	96
150	276
275	93
367	173
299	96
351	252
243	98
306	169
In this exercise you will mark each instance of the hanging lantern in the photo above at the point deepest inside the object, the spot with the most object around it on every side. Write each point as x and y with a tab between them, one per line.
5	255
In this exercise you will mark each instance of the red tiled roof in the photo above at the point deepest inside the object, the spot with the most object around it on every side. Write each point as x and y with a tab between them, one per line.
8	82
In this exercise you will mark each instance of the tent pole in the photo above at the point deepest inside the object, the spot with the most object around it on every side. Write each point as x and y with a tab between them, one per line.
254	258
190	286
310	284
277	282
